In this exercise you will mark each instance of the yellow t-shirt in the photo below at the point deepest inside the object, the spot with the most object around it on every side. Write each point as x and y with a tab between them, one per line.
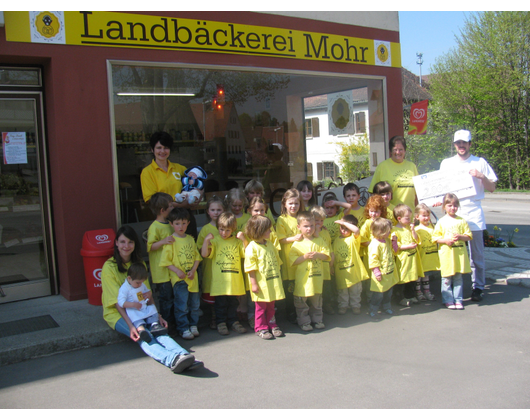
332	227
270	217
324	234
407	261
265	260
182	254
286	227
206	262
227	274
359	214
241	222
399	176
453	259
154	179
111	281
349	269
309	275
390	213
380	255
428	249
156	232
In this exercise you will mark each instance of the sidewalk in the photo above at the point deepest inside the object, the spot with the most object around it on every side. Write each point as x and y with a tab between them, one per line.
81	325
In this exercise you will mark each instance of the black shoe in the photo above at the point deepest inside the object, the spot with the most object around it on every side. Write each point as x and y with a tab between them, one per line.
157	329
145	336
182	362
477	295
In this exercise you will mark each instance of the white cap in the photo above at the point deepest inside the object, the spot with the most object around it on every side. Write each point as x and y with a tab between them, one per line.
463	135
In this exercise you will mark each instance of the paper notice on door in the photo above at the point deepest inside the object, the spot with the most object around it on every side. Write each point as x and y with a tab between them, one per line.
15	148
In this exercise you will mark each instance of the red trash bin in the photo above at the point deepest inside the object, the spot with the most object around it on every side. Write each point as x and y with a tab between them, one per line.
98	247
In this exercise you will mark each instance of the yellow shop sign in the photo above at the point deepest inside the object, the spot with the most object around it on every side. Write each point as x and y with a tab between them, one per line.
127	30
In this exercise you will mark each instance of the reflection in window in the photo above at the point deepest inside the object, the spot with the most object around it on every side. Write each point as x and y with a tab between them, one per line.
253	130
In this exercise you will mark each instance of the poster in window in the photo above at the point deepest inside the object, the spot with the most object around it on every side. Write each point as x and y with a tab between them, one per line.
340	113
14	148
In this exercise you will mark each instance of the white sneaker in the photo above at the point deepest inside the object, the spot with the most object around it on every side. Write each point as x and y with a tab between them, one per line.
187	335
195	331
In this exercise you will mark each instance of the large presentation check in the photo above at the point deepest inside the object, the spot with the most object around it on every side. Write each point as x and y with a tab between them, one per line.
431	187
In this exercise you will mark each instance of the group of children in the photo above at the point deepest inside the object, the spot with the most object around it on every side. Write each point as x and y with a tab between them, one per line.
313	257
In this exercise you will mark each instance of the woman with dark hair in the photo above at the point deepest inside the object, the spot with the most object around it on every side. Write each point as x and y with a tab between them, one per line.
398	172
165	176
162	348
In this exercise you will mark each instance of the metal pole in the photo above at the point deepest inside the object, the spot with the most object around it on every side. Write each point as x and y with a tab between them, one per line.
420	62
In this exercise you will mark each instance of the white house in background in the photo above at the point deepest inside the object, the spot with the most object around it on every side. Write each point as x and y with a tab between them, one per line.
322	148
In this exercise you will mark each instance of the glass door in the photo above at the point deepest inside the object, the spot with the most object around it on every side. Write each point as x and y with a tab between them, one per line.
26	259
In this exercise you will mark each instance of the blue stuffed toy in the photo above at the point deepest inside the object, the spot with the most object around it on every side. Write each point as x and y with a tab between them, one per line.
192	185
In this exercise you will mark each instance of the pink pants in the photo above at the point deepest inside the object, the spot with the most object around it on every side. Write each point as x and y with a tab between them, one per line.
264	317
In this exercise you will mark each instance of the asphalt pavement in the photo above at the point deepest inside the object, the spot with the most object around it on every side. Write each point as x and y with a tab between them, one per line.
423	347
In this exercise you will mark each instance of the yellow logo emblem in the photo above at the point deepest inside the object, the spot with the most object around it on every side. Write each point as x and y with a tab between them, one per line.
47	24
382	53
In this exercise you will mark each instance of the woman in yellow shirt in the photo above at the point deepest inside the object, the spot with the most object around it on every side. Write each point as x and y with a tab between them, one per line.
165	176
162	348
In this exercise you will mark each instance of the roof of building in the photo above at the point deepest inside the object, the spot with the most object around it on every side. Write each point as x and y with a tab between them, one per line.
411	89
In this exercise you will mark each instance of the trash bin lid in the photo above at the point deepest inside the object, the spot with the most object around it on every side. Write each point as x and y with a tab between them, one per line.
98	240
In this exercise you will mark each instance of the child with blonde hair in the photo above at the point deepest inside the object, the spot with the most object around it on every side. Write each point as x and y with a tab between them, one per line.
226	252
451	232
288	233
254	189
306	256
236	203
214	208
428	250
407	257
262	263
321	231
383	268
348	267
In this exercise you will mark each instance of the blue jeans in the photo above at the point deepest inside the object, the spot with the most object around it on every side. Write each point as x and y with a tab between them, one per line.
165	300
452	289
476	259
187	306
162	348
381	298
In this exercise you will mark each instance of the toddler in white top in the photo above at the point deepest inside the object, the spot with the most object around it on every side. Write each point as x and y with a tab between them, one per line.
137	300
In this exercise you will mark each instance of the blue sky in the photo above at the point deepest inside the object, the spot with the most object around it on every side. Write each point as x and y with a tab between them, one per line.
431	33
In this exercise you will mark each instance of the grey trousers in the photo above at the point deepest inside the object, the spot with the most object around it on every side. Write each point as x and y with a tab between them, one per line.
476	259
308	309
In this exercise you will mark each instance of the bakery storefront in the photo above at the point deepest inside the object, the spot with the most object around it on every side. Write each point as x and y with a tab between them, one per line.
82	92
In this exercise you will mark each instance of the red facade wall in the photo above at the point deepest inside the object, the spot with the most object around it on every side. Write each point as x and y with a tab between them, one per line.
78	120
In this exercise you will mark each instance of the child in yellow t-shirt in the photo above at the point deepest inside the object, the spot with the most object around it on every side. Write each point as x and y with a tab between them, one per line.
329	292
288	233
236	203
407	257
262	263
214	207
452	232
352	195
160	234
307	194
306	256
383	268
384	189
334	209
428	249
253	189
348	267
226	252
182	259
